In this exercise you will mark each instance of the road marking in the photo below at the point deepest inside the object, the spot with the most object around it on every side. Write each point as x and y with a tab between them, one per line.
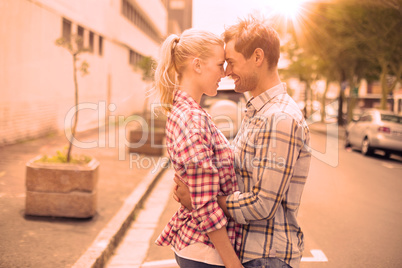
318	256
160	264
388	165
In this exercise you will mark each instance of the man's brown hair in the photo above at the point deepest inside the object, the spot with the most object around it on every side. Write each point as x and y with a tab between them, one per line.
252	33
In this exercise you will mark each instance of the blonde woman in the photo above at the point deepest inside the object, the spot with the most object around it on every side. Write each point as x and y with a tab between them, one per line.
192	65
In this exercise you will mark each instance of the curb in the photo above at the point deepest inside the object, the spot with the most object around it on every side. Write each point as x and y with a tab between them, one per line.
98	254
330	132
340	136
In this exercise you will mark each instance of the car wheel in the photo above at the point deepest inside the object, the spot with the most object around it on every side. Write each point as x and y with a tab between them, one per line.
347	142
366	148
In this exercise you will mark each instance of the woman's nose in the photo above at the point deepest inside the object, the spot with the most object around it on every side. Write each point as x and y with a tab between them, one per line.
228	70
223	73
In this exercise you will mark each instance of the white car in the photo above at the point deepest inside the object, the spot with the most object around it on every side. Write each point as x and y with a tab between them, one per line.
376	130
226	110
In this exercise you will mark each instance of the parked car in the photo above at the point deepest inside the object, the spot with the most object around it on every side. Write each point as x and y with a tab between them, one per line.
375	130
226	110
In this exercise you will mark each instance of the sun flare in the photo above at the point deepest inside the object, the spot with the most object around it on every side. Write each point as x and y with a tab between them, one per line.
288	8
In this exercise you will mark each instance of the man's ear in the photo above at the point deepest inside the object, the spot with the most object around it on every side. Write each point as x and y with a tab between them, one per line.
258	56
196	65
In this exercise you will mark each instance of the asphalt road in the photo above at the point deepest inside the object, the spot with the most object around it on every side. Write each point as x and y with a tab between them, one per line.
351	210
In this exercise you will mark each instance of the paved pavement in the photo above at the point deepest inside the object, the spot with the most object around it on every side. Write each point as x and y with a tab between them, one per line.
138	249
124	183
30	241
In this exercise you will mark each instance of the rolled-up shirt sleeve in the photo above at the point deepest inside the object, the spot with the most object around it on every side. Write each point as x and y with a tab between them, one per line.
277	143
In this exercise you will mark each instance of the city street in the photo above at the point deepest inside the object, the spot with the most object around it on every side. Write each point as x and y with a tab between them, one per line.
93	92
353	212
350	213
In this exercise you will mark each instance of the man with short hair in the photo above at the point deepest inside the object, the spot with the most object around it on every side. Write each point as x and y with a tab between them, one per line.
271	157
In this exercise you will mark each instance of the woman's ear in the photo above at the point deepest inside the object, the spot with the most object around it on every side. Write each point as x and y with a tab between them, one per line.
258	56
196	65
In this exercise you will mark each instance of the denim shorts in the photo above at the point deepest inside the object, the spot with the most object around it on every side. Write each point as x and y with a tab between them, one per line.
185	263
266	263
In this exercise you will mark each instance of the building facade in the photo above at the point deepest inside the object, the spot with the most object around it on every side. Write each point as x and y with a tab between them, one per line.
36	77
180	15
368	95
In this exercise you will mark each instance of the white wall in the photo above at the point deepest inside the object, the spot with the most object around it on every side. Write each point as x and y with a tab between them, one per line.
36	77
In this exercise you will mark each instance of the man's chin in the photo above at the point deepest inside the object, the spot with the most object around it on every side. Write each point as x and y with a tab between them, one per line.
239	89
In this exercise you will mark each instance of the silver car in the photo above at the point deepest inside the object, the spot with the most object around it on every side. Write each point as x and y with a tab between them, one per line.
376	130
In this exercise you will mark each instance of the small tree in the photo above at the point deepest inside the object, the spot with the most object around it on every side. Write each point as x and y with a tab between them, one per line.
76	48
147	67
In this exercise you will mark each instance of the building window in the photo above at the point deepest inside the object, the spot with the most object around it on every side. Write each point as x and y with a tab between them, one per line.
100	49
91	42
131	59
135	58
135	17
67	30
125	7
80	35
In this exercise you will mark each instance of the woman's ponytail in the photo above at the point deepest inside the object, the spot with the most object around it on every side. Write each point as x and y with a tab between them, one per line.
166	73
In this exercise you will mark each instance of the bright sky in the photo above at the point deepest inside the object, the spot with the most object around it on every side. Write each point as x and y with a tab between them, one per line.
213	15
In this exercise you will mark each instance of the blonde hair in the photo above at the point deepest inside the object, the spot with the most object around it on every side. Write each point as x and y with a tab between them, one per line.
175	53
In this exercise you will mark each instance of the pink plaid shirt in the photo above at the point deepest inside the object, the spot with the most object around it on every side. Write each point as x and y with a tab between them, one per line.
201	155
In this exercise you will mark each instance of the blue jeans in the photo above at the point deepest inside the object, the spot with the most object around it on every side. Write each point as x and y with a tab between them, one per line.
185	263
266	263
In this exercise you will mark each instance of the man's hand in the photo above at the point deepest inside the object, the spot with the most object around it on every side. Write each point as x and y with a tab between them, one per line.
181	193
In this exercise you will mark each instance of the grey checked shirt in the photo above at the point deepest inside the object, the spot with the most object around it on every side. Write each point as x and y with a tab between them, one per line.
272	161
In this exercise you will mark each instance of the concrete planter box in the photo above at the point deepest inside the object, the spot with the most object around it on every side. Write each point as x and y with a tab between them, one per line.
151	141
147	142
61	190
156	121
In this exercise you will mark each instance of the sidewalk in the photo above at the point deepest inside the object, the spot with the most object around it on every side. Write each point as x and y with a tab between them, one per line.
138	248
29	241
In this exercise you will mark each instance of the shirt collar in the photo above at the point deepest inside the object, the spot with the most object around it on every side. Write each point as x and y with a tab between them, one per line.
259	101
181	96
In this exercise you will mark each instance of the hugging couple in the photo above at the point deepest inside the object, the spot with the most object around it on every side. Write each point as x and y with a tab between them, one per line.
242	212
